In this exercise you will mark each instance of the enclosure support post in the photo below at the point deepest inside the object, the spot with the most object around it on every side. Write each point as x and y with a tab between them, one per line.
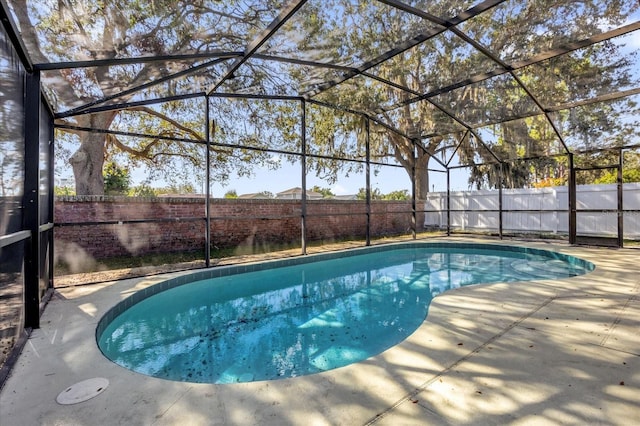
572	200
448	202
303	167
620	205
413	190
31	201
207	196
368	182
51	197
500	182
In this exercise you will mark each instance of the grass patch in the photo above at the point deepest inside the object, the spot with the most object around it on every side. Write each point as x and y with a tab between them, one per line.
127	262
176	258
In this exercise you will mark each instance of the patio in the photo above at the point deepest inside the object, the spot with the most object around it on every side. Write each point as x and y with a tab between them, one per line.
543	352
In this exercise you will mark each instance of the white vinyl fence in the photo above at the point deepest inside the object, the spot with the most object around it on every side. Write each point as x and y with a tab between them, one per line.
543	210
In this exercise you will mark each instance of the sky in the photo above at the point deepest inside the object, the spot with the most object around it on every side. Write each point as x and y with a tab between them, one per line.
387	179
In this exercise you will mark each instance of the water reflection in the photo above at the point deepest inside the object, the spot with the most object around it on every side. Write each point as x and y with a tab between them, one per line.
298	320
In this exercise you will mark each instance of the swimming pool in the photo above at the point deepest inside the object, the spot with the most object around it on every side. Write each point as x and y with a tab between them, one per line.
303	315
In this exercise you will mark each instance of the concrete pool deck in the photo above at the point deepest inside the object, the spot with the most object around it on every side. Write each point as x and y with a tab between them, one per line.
544	352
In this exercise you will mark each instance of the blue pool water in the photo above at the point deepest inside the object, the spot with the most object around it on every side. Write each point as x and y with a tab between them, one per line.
269	321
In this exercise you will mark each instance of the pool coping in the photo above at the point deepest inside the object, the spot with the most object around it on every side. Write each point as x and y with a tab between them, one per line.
403	385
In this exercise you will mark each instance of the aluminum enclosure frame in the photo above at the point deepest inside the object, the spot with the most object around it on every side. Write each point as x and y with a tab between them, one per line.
35	92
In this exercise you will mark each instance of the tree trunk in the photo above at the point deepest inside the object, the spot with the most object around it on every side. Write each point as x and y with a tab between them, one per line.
403	153
422	175
88	160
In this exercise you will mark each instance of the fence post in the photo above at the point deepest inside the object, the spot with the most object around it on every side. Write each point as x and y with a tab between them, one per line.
500	177
448	202
368	183
620	191
207	196
413	191
303	167
31	201
556	206
572	200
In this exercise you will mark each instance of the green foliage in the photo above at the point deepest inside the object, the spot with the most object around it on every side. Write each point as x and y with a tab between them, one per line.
143	190
326	192
63	190
184	188
550	182
611	176
399	195
231	194
116	179
375	194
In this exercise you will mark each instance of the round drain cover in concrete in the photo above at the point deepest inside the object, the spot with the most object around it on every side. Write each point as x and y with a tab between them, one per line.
82	391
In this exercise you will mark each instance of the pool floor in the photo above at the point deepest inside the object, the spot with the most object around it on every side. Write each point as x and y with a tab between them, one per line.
550	352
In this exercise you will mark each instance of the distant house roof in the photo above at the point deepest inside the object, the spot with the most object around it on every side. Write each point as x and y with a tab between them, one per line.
254	196
181	196
296	194
345	197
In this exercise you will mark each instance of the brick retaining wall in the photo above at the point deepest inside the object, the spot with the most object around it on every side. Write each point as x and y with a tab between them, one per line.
177	224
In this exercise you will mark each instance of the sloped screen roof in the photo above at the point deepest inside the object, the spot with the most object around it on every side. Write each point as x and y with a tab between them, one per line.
426	68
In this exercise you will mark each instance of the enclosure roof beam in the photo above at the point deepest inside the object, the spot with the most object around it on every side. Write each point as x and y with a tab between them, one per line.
49	66
509	69
612	148
601	98
126	105
417	12
402	47
544	111
512	160
444	111
503	65
580	44
390	83
73	128
458	145
429	153
14	36
285	14
467	14
489	150
255	96
302	62
185	96
81	109
362	114
562	50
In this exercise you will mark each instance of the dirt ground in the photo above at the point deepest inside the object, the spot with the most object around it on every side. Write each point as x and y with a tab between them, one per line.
120	274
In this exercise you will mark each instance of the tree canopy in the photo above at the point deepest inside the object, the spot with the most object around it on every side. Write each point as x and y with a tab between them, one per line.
502	87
